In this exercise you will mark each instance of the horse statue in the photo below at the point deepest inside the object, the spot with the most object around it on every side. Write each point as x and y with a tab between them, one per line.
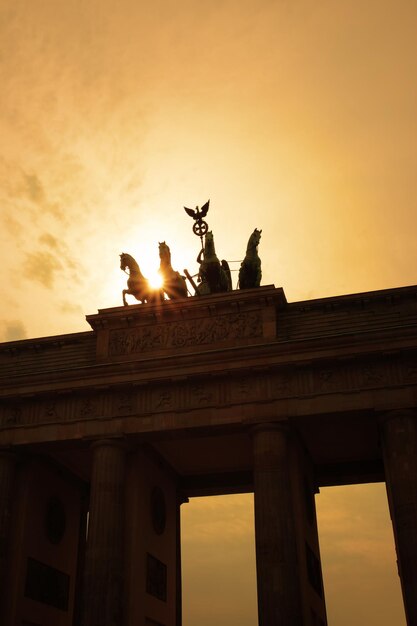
137	285
250	272
174	284
214	277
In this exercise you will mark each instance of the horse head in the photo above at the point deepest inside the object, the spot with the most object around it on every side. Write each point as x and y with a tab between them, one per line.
123	261
127	261
209	244
209	236
254	239
163	249
164	253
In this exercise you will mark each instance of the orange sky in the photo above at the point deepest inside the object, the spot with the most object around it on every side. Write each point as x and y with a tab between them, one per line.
358	559
295	117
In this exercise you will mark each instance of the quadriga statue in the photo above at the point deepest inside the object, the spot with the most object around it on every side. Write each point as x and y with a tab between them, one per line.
214	277
250	272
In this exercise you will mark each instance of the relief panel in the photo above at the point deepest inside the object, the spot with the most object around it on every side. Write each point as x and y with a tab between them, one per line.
185	334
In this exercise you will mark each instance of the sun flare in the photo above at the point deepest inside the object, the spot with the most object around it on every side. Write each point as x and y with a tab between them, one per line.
155	280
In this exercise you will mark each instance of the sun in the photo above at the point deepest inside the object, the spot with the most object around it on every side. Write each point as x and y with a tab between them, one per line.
155	280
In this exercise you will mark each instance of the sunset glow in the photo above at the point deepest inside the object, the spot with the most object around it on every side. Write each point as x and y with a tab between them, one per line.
155	280
298	118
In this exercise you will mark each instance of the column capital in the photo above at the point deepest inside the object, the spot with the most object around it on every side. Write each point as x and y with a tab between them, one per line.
399	434
406	413
9	452
271	443
182	498
110	442
282	426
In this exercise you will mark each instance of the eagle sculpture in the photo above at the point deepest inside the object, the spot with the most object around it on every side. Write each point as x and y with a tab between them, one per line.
198	214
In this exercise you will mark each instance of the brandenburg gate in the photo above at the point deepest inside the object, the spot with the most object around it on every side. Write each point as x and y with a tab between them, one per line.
105	433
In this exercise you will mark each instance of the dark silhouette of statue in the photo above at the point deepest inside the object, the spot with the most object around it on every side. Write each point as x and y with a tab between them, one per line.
214	277
200	227
137	285
174	284
250	272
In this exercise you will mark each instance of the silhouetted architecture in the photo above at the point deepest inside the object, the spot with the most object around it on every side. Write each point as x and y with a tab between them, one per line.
232	392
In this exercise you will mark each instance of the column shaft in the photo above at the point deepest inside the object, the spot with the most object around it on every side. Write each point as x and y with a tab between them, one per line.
399	436
103	592
7	473
279	599
181	499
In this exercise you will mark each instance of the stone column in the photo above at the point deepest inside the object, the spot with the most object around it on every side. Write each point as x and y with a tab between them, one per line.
104	576
181	499
7	473
279	597
399	442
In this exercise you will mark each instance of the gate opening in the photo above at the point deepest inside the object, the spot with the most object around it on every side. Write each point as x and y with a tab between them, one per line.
218	561
358	556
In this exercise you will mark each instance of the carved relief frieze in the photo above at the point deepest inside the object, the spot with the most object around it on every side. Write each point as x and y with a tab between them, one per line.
330	379
372	374
326	379
409	371
12	415
282	383
124	403
51	411
244	389
211	391
303	384
184	334
164	398
203	394
88	407
71	407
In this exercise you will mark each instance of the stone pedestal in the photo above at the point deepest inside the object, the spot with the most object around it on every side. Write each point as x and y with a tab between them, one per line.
399	438
279	598
7	472
104	589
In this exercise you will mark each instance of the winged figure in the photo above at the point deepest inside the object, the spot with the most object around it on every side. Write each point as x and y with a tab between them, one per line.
198	214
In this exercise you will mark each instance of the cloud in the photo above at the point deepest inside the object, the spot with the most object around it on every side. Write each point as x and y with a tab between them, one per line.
43	265
33	188
12	225
12	330
70	308
50	241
